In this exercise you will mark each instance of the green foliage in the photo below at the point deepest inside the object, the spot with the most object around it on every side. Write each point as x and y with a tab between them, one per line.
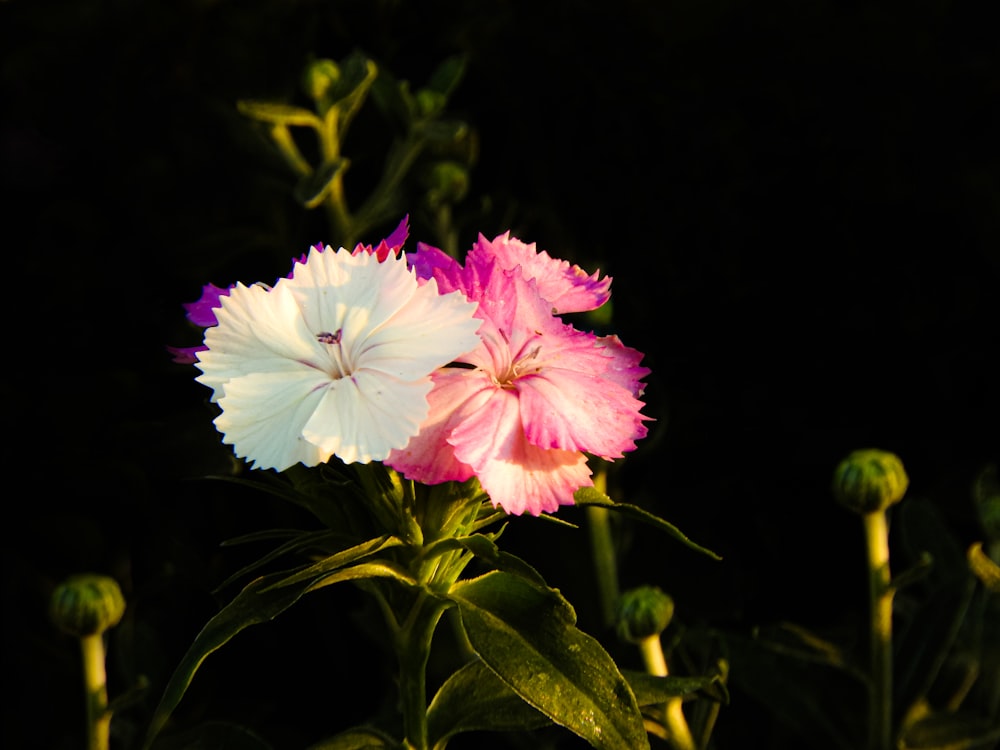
532	665
946	663
590	496
526	634
338	91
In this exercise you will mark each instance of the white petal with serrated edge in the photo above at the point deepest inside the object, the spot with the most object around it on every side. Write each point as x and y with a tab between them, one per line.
263	415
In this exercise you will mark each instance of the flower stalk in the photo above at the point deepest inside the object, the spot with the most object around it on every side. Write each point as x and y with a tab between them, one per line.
603	549
413	648
880	632
86	606
642	615
868	482
95	688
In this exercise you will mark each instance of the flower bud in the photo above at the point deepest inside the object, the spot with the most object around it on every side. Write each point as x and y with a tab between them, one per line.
869	480
447	182
643	612
87	604
319	78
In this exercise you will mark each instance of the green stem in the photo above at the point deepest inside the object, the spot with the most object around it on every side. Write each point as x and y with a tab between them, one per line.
603	548
414	648
673	711
340	218
95	688
880	601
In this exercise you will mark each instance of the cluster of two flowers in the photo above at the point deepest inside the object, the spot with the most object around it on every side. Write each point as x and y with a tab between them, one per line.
439	369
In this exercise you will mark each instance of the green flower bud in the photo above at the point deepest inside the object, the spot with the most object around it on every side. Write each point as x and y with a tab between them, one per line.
319	78
87	604
447	182
643	612
430	103
869	480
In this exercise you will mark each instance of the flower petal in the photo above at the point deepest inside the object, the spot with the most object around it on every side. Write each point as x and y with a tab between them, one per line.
366	415
263	414
259	330
429	457
579	411
202	311
518	476
566	287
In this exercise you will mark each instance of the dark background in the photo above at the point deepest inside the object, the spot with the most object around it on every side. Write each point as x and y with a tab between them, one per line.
799	204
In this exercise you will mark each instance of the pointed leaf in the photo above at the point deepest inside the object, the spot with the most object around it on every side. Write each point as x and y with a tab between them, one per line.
983	567
312	188
260	601
651	690
951	731
374	569
823	705
358	73
280	114
250	607
447	75
591	496
485	549
526	634
340	560
474	699
300	542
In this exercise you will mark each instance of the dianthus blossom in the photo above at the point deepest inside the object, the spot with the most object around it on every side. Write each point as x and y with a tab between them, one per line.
201	312
536	395
335	359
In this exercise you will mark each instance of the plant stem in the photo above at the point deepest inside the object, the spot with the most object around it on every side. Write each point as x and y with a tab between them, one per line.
95	688
880	605
414	648
603	549
673	711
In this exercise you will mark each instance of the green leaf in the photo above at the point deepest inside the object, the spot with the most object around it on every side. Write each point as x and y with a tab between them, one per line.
590	496
983	567
260	601
951	731
340	560
526	634
651	690
485	549
447	75
358	738
301	542
250	607
442	132
357	74
474	699
823	705
279	114
374	569
937	608
312	188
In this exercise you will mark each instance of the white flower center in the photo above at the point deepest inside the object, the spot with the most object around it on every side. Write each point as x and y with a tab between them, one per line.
339	368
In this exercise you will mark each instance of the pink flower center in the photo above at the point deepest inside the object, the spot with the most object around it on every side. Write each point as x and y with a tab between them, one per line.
513	367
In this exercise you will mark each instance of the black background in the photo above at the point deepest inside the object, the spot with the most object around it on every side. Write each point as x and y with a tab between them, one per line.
799	204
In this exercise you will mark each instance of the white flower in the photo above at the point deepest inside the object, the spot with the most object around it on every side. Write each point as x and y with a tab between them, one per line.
335	360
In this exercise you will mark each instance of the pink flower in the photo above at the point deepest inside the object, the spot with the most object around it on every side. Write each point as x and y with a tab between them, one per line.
202	312
536	395
566	287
